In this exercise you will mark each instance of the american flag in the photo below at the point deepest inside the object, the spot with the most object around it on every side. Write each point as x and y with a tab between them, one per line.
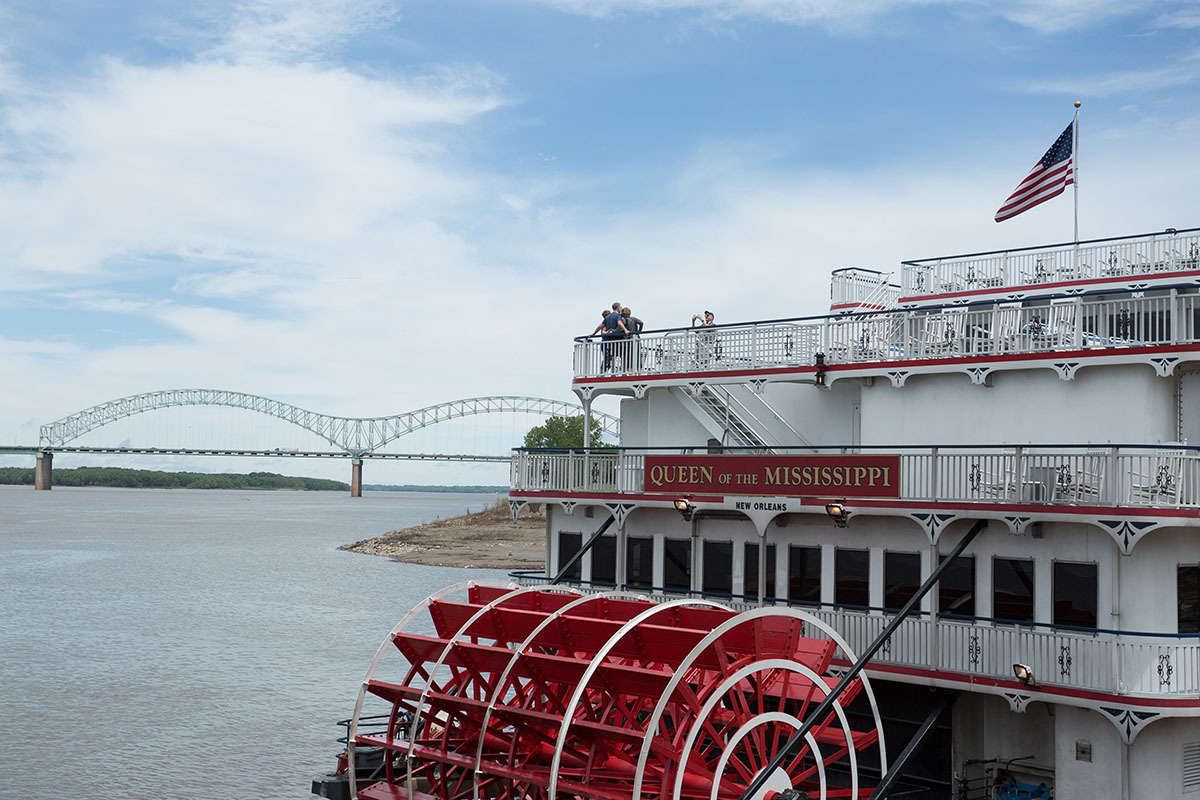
1048	178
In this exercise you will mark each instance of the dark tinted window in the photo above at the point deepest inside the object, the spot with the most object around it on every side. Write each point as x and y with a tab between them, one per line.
568	546
804	574
1188	588
718	567
852	577
956	587
639	560
1012	589
604	560
901	578
1075	594
677	564
750	568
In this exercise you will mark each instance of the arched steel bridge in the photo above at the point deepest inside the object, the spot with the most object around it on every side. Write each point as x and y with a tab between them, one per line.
354	436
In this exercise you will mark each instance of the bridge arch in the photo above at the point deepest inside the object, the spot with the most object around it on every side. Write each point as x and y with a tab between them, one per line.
356	436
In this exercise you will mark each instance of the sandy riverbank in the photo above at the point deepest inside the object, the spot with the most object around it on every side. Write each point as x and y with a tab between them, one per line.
487	539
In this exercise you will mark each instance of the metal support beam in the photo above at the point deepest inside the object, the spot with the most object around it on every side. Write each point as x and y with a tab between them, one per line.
897	767
562	573
822	710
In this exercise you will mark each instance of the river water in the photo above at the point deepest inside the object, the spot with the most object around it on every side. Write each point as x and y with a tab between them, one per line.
193	644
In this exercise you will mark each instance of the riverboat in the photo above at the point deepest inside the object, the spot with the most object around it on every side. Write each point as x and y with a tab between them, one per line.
940	542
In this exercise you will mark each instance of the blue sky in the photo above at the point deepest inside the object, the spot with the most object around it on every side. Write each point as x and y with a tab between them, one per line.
368	207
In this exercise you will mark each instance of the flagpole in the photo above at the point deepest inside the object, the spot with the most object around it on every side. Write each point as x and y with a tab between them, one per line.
1075	175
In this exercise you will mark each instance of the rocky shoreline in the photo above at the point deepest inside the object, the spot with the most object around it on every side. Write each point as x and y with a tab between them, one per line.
487	539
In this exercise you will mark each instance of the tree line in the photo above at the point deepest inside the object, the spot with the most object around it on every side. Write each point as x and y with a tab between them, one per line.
154	479
563	433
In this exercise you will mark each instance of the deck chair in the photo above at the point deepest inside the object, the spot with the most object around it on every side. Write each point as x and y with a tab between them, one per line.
875	338
940	333
1081	481
1157	478
1004	333
995	476
840	344
1057	331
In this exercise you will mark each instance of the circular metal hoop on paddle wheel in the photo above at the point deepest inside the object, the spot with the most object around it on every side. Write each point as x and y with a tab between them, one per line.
535	694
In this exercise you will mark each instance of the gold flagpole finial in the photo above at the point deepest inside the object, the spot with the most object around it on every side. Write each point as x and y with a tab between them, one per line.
1077	104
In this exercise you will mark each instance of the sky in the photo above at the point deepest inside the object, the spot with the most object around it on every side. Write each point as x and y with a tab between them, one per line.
365	208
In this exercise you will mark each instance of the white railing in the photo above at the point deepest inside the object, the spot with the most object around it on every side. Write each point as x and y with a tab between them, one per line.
1073	323
1110	662
855	286
1108	476
1114	662
1169	251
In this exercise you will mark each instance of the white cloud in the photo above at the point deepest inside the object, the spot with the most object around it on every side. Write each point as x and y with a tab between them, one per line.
1049	16
287	30
95	300
1185	18
285	165
1056	16
1117	83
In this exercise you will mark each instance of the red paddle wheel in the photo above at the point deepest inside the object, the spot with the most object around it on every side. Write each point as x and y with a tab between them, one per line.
537	693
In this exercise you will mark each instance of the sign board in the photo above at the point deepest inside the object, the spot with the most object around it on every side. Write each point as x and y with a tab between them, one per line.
783	476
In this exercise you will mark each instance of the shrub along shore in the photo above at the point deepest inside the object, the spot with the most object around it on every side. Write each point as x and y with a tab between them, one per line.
154	479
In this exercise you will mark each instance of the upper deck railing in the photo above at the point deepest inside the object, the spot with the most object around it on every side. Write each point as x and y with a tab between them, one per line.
1068	322
1136	476
855	287
1168	251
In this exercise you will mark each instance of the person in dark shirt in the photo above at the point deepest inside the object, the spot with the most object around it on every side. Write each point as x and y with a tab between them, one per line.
632	357
611	330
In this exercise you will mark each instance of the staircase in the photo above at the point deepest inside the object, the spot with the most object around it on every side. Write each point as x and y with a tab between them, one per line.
731	421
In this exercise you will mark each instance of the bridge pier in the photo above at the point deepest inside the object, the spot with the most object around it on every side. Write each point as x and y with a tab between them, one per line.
355	477
43	473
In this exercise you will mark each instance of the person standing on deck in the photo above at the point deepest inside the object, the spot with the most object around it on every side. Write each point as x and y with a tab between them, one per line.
611	330
706	341
633	356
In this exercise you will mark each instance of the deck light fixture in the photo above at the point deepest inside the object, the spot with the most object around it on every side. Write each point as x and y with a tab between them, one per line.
685	508
1024	674
820	377
838	513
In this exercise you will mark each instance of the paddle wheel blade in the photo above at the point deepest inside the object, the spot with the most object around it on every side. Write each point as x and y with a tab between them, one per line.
536	693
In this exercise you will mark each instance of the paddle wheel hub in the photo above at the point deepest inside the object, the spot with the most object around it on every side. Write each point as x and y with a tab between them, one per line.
535	693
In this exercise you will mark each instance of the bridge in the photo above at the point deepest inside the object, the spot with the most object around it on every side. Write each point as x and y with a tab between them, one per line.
356	438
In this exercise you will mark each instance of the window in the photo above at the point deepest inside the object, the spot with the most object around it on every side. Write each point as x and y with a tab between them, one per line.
568	546
1187	584
604	560
639	560
750	569
804	574
718	567
1012	589
956	587
901	578
1075	601
677	565
852	585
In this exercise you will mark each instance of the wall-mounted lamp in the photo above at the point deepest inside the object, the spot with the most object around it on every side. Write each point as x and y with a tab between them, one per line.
838	513
1024	674
685	508
820	357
